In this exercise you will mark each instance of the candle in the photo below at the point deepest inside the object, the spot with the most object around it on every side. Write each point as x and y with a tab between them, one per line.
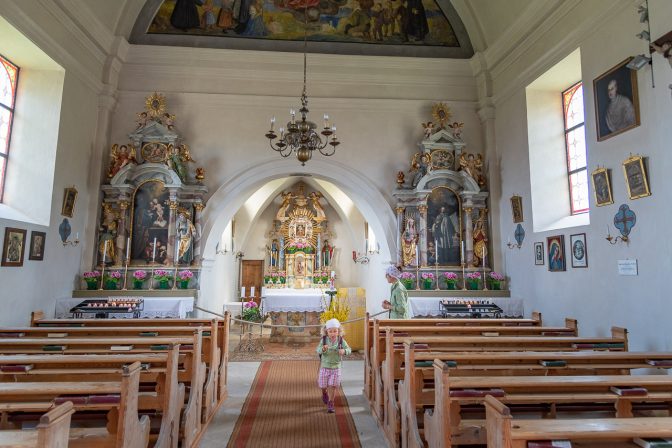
366	246
354	255
272	123
128	248
282	132
242	292
608	231
77	236
105	250
417	259
251	291
292	112
462	252
483	257
154	250
177	249
326	121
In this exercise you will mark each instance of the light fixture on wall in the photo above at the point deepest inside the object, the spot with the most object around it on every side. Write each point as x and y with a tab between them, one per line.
73	243
219	251
639	62
301	137
359	258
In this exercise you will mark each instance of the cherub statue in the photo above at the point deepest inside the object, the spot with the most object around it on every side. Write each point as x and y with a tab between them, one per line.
429	128
120	156
167	120
400	179
472	165
457	128
142	120
319	212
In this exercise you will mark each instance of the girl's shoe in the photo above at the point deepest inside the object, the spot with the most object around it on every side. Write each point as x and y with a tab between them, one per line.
330	407
325	397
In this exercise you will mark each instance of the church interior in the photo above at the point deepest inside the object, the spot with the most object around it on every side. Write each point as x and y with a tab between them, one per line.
442	213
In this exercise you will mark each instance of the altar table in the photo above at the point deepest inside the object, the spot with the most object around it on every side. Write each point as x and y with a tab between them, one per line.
430	306
154	307
295	307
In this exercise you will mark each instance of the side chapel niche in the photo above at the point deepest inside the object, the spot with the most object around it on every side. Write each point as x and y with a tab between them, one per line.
154	198
442	219
300	249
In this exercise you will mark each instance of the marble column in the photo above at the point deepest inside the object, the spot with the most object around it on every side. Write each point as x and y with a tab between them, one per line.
172	232
422	230
121	231
400	226
198	219
468	235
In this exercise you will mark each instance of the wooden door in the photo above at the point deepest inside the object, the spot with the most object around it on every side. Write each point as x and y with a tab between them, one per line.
252	275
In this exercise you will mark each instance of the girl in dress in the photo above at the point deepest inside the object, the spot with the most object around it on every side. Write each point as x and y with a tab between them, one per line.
331	349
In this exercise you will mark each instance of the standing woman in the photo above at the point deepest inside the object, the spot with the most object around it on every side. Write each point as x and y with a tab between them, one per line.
398	303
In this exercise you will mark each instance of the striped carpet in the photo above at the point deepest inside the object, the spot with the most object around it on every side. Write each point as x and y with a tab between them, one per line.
284	409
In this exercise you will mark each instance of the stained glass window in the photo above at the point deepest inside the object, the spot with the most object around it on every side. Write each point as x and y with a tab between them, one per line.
9	77
575	143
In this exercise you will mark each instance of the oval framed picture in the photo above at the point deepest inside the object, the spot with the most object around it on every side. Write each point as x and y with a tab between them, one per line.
579	251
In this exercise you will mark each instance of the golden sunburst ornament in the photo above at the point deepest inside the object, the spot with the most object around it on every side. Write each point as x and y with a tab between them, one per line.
441	113
155	104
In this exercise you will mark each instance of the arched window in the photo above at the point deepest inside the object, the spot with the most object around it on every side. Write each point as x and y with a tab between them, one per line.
575	144
9	77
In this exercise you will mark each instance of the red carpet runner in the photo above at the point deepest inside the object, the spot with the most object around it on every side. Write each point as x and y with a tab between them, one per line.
284	409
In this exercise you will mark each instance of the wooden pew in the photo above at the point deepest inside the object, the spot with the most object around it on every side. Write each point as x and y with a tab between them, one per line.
373	327
444	426
38	320
193	374
503	431
166	400
53	431
124	428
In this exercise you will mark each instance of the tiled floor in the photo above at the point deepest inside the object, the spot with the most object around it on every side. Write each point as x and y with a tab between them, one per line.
241	376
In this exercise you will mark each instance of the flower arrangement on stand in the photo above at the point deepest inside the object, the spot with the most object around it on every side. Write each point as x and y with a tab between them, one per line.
300	247
139	278
251	312
473	279
282	276
408	280
184	277
163	277
451	280
496	280
427	279
91	279
112	280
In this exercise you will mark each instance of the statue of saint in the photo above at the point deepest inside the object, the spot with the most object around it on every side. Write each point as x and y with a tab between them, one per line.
327	253
185	236
480	238
409	242
275	251
108	233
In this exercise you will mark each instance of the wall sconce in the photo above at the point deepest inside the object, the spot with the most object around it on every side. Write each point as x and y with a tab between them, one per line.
616	239
519	235
373	250
359	258
239	255
511	245
72	243
218	251
624	220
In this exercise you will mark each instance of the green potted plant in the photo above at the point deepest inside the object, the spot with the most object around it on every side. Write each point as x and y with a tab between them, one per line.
408	280
184	277
139	277
427	279
496	280
112	280
91	279
451	280
282	276
472	280
163	277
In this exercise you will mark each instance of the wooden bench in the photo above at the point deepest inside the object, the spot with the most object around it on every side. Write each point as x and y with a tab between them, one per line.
503	431
543	395
159	371
373	327
124	428
53	431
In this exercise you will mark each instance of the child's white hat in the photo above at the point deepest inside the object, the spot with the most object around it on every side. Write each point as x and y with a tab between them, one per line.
332	323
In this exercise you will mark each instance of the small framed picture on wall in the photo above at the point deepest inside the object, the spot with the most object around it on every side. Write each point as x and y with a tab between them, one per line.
37	240
635	177
556	253
602	187
579	250
517	208
539	253
14	247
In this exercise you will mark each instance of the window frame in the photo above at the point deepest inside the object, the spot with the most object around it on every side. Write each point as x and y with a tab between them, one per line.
570	172
12	110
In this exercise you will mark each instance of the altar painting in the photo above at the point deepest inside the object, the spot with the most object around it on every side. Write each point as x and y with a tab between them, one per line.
410	22
150	220
444	225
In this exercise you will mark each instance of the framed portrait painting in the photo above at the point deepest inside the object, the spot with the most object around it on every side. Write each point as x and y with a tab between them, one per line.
517	208
13	247
577	243
37	240
616	101
602	187
69	198
539	253
556	253
444	221
635	177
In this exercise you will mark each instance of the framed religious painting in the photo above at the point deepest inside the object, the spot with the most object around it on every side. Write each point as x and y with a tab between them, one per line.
635	177
616	101
37	240
602	187
577	243
13	247
149	235
517	208
556	253
69	198
445	225
539	253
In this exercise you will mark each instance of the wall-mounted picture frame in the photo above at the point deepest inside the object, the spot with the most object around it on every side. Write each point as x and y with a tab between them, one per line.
616	101
556	253
579	250
69	198
37	241
539	253
13	247
635	177
517	208
602	187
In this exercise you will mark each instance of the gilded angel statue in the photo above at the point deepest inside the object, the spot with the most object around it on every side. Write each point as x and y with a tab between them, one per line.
286	199
120	156
319	212
429	128
472	165
457	128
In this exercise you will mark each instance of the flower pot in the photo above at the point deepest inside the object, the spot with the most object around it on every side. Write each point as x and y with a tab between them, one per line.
451	284
111	284
495	284
137	284
472	284
426	284
408	284
183	284
164	284
91	283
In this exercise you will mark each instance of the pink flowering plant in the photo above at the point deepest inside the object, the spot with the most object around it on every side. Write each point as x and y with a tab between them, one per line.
91	279
496	276
162	275
473	276
450	279
427	276
91	274
140	275
185	275
407	276
113	276
251	311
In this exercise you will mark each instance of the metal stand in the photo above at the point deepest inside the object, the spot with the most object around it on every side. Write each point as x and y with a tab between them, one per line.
436	273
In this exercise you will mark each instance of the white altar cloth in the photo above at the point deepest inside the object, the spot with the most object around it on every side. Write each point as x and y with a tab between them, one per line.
429	306
154	307
289	299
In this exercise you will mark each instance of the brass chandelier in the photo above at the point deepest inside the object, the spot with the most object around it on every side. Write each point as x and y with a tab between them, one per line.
301	137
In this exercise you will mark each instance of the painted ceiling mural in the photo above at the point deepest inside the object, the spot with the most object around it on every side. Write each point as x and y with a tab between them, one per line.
393	22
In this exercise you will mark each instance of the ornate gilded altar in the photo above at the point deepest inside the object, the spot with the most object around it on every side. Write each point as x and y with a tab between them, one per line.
154	197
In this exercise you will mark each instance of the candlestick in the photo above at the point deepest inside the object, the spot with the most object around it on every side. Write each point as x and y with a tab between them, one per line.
128	253
417	258
485	281
417	276
105	251
462	252
436	273
102	274
464	279
154	251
